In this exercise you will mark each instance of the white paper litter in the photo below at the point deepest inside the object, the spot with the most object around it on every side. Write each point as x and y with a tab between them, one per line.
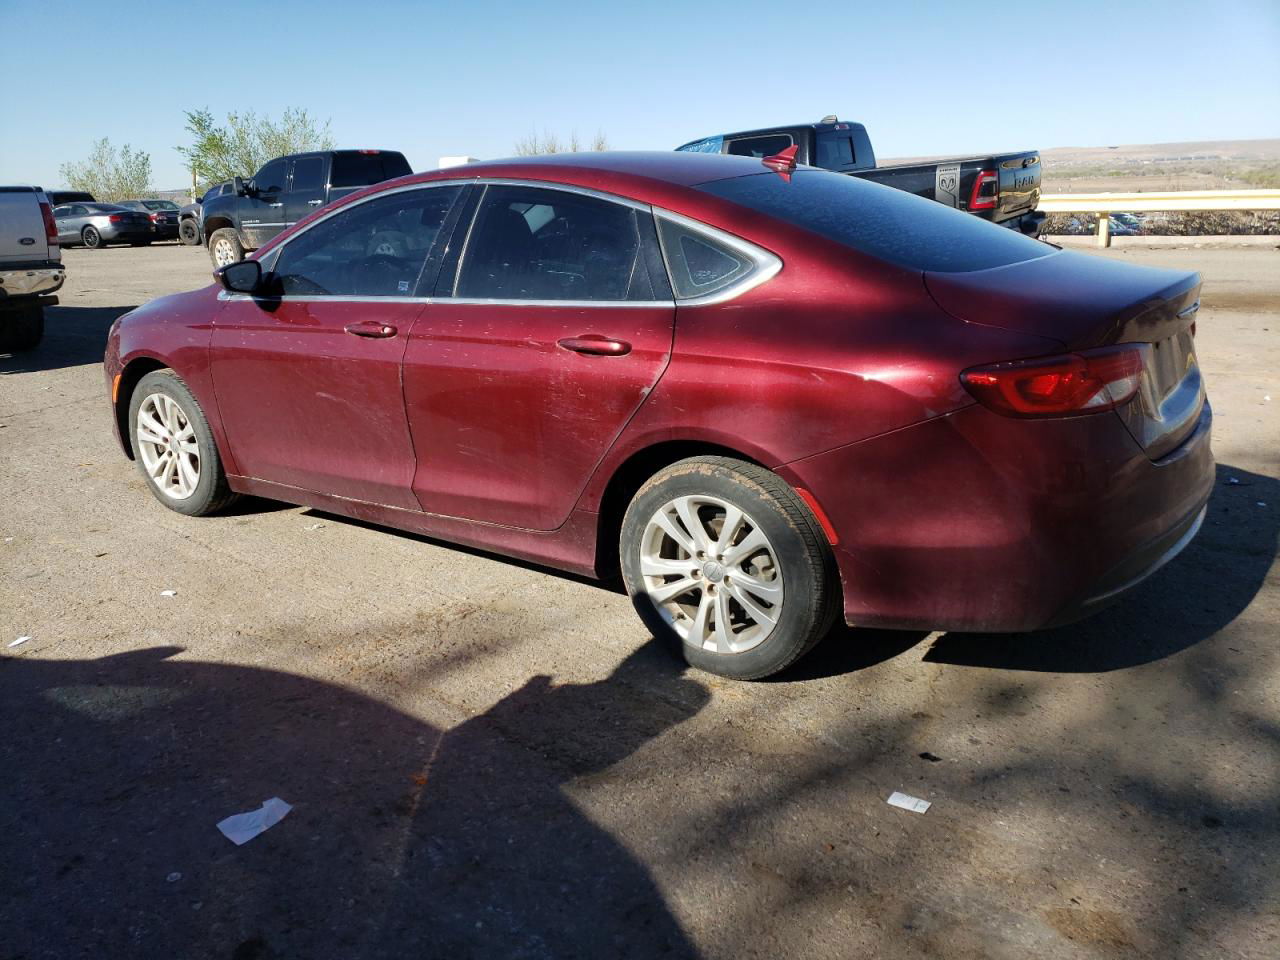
242	827
908	802
168	593
19	642
315	526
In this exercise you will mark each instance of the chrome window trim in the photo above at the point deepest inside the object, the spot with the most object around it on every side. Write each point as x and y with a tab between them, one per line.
765	267
766	264
228	296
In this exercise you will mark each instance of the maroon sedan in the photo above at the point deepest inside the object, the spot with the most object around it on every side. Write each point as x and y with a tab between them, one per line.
772	397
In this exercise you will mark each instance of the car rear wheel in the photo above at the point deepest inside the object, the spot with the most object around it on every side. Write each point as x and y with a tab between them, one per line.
91	237
174	447
724	562
189	233
22	329
225	247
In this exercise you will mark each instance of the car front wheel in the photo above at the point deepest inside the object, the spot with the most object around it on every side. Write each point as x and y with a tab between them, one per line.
726	563
174	446
189	233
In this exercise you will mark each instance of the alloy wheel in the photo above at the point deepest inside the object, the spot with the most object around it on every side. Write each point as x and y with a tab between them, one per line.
223	254
713	574
168	447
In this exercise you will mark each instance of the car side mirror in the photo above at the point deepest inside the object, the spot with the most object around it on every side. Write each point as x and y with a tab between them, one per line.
237	184
242	277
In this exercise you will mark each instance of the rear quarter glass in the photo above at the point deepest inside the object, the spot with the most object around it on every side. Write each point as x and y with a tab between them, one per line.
880	221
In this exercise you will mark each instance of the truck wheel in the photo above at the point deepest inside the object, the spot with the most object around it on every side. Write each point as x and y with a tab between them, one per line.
225	247
91	237
22	329
188	232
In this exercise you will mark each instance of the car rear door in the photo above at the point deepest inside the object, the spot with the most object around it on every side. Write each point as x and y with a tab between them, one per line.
535	352
306	187
308	379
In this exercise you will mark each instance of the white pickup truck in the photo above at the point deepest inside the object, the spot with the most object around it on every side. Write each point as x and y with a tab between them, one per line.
31	268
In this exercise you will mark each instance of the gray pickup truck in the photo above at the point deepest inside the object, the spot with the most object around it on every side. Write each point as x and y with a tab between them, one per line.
284	191
1003	187
31	268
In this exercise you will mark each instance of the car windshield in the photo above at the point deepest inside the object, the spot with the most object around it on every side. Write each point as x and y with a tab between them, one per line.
159	204
880	221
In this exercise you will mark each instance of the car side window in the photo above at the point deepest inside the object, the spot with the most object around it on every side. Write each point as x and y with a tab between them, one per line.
308	173
270	179
372	249
531	243
76	210
699	263
63	211
760	146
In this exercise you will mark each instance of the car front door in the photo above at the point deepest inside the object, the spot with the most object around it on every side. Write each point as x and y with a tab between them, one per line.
534	353
306	188
308	380
70	219
262	213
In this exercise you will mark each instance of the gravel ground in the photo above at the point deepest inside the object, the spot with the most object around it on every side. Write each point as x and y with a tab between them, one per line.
490	760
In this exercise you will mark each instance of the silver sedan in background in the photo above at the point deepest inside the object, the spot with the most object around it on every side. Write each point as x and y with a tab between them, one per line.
98	224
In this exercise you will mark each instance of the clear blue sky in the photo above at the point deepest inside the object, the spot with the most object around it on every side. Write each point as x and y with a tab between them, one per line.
471	77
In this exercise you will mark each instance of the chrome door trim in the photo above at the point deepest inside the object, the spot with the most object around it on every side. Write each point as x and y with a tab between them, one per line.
767	264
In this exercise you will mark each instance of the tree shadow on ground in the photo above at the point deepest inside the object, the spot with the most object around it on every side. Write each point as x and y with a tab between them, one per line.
1201	591
404	840
73	336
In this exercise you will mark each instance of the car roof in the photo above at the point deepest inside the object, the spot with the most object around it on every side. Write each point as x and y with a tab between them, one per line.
682	169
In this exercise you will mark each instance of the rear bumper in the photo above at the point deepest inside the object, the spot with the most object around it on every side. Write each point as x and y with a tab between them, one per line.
127	232
1031	224
31	282
978	522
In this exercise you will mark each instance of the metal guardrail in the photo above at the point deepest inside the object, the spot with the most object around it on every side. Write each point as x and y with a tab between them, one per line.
1105	204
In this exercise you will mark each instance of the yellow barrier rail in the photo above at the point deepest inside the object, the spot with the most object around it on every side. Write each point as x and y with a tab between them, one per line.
1105	204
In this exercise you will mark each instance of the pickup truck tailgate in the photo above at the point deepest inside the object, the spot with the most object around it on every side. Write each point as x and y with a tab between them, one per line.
1019	185
22	233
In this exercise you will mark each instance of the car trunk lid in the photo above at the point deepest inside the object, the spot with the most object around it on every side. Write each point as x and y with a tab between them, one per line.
1084	302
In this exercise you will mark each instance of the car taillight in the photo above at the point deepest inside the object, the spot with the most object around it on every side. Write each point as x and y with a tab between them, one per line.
155	218
116	218
50	225
985	188
1090	381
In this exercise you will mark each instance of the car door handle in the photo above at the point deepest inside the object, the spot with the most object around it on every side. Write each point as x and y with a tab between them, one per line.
314	203
595	345
275	204
370	328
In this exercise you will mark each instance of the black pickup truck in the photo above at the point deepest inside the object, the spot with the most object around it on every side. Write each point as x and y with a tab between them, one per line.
284	191
1003	188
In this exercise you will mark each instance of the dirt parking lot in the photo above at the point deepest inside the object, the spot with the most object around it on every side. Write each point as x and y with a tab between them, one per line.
489	760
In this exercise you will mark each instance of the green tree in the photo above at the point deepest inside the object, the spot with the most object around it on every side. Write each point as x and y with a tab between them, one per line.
548	142
247	141
110	174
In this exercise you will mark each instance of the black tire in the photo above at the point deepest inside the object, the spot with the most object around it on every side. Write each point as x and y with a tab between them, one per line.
91	238
21	329
226	235
803	564
211	491
189	232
